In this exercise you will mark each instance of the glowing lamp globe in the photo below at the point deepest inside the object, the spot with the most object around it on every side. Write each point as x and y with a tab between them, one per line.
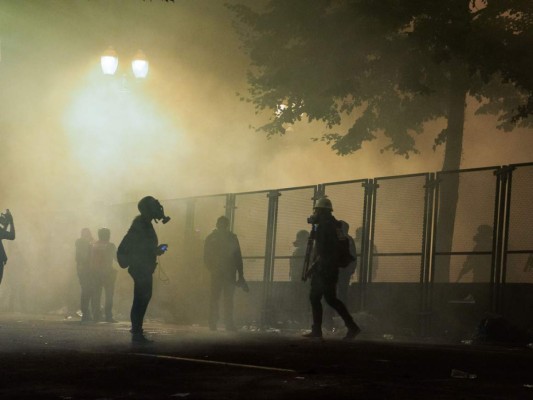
109	61
139	65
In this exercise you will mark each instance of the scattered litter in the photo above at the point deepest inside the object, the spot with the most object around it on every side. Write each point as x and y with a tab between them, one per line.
300	377
467	341
527	385
180	395
388	336
457	373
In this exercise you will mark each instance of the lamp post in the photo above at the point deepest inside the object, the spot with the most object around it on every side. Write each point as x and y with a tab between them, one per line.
109	63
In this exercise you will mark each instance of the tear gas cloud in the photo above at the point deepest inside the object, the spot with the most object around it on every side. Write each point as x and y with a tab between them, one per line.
75	141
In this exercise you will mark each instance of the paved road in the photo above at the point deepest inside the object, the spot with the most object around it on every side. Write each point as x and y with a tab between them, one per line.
48	357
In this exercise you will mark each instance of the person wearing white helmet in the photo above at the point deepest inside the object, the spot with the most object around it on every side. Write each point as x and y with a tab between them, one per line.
325	270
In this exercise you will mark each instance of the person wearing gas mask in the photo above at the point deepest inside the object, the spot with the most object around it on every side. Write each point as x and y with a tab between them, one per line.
325	270
138	251
7	231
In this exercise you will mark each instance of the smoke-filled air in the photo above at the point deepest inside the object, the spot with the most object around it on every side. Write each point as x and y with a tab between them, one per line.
75	141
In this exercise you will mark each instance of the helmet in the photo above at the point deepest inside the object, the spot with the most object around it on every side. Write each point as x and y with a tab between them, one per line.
324	202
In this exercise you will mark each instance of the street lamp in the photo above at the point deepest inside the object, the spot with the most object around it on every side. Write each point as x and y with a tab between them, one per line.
109	63
139	65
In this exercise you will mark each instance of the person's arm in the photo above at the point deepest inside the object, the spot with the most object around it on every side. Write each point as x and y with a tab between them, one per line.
10	235
238	259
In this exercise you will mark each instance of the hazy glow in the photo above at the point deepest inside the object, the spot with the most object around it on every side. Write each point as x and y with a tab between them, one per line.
109	61
139	65
116	130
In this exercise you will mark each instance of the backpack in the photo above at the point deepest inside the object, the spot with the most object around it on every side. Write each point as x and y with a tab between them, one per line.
343	248
123	257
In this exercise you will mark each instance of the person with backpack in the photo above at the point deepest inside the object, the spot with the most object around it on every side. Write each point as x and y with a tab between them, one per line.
138	251
332	251
103	253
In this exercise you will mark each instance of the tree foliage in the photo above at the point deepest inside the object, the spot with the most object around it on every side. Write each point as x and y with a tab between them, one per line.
392	65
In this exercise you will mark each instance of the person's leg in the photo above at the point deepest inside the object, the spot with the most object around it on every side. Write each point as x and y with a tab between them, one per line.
95	296
142	293
215	292
84	297
109	289
315	297
331	298
229	292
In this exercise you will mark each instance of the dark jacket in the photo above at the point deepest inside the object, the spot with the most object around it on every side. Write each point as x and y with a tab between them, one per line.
326	253
141	245
222	254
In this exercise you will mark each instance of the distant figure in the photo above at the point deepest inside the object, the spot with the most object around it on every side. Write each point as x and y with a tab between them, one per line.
140	249
529	264
325	270
345	274
7	231
103	253
298	255
85	275
296	304
475	263
223	259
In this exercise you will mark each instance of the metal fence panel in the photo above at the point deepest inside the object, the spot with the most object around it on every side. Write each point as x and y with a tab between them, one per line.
206	212
398	229
250	225
520	243
348	205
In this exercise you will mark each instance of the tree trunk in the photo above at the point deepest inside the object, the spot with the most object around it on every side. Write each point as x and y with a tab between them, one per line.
449	185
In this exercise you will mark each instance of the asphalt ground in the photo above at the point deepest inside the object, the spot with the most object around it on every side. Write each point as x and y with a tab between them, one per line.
53	358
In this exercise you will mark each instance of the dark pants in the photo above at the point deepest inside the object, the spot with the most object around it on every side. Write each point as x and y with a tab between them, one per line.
326	286
225	287
142	293
106	281
88	298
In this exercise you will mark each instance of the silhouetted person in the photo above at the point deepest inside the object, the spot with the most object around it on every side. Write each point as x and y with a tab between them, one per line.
476	263
529	264
103	253
297	288
7	231
85	275
140	248
325	270
222	257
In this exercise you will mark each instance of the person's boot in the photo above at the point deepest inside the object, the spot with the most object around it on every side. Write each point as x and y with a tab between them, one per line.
139	338
353	331
316	333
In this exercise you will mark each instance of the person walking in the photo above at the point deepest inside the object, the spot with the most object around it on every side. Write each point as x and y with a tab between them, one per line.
325	270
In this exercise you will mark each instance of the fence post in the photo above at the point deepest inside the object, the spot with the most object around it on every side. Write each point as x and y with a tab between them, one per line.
268	271
426	268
